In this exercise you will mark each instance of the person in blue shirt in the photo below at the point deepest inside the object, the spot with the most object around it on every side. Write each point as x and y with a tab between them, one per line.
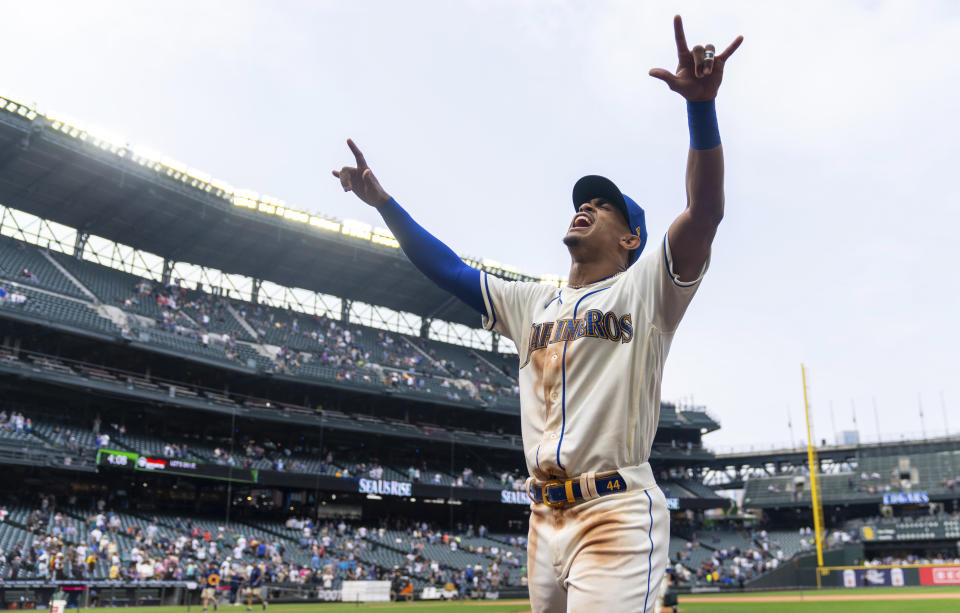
236	580
256	588
211	579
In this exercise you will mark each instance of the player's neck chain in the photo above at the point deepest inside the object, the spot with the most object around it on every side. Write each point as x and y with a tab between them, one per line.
616	274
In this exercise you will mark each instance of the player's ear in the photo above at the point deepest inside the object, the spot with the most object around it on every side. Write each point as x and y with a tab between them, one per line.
630	242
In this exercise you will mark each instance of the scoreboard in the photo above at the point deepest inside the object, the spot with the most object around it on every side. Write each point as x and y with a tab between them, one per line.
128	460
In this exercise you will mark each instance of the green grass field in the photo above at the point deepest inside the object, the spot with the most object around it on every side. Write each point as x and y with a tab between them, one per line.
895	606
886	600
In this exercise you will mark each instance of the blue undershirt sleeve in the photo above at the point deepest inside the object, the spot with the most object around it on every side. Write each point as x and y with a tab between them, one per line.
434	259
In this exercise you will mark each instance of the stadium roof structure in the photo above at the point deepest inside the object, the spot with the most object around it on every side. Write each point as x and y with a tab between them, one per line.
57	171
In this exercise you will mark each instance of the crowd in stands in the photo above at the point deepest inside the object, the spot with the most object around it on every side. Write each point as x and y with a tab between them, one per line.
12	297
873	483
275	453
103	544
394	362
15	422
247	450
303	340
67	548
505	567
904	559
172	300
729	563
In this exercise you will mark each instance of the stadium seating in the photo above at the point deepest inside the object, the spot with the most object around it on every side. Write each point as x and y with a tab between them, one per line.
56	308
197	304
790	541
338	352
189	344
15	257
127	534
875	475
112	286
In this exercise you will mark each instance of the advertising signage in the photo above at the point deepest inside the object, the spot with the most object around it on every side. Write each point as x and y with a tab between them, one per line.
514	497
133	461
940	575
869	577
906	498
385	488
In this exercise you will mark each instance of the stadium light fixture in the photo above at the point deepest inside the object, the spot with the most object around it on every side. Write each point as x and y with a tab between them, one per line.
357	229
552	280
386	242
199	175
383	236
294	215
245	198
324	224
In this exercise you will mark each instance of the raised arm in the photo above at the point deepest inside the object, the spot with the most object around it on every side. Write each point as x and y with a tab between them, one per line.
697	79
434	259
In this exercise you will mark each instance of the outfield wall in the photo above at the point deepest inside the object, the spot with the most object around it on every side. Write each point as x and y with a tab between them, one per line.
801	570
889	576
841	570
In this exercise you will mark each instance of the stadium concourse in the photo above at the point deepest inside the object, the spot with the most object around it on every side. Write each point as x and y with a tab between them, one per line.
190	373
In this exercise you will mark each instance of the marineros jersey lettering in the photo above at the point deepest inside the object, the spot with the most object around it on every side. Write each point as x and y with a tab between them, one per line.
591	362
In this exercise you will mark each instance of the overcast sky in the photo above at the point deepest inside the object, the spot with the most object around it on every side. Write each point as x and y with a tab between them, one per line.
839	123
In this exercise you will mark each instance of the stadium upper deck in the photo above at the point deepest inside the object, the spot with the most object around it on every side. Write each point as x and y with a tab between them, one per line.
904	473
57	171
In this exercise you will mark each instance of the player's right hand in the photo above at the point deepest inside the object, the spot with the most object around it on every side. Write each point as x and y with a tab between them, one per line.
360	180
698	76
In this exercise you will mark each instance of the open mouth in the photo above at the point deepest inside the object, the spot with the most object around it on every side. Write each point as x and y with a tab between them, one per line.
581	221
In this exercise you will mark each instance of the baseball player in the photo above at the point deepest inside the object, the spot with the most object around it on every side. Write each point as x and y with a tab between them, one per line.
591	359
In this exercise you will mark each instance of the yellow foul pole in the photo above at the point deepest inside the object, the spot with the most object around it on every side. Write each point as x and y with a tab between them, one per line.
814	486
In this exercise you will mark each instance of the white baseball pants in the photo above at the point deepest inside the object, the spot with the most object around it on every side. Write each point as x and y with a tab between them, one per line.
605	555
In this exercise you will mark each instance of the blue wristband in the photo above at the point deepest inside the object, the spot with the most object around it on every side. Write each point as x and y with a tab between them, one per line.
702	120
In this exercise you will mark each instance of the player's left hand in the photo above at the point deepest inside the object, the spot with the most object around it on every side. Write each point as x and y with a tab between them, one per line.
699	71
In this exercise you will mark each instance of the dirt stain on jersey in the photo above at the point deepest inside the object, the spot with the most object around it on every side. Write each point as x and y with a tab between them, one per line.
548	384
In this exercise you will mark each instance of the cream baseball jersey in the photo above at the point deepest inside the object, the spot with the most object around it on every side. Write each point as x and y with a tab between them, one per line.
591	362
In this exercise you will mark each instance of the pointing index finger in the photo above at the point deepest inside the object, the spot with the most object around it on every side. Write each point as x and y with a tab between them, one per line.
681	38
361	163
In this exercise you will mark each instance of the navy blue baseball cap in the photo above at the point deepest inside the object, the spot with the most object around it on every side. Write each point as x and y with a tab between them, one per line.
595	186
